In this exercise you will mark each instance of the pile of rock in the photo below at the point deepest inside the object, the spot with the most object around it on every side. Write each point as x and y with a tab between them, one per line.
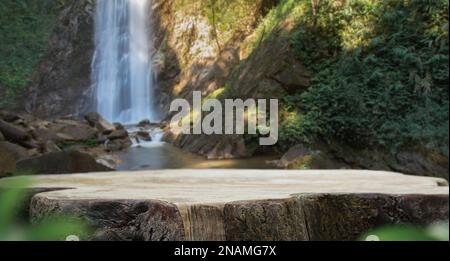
66	145
141	133
114	137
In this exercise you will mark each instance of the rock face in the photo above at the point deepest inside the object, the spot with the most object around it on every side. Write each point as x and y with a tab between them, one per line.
241	205
196	61
416	160
212	146
62	80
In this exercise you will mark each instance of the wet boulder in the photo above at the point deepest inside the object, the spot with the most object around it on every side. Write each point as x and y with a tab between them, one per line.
115	140
9	154
294	153
119	126
117	144
303	157
95	120
143	136
118	134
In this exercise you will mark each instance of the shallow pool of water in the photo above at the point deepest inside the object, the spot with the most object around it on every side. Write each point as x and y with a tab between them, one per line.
161	155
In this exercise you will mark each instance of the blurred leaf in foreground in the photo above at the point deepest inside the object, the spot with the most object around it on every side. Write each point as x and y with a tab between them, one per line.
13	197
435	232
10	201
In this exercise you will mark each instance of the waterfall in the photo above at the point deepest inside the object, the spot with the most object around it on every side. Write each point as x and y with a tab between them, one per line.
123	77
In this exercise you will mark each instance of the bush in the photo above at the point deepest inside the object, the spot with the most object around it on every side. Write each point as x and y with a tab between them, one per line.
380	73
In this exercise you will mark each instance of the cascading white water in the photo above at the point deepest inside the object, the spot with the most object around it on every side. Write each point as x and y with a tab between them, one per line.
123	76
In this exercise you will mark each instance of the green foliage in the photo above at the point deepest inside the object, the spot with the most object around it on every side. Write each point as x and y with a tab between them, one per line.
296	128
12	201
380	73
25	28
9	206
436	232
284	10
